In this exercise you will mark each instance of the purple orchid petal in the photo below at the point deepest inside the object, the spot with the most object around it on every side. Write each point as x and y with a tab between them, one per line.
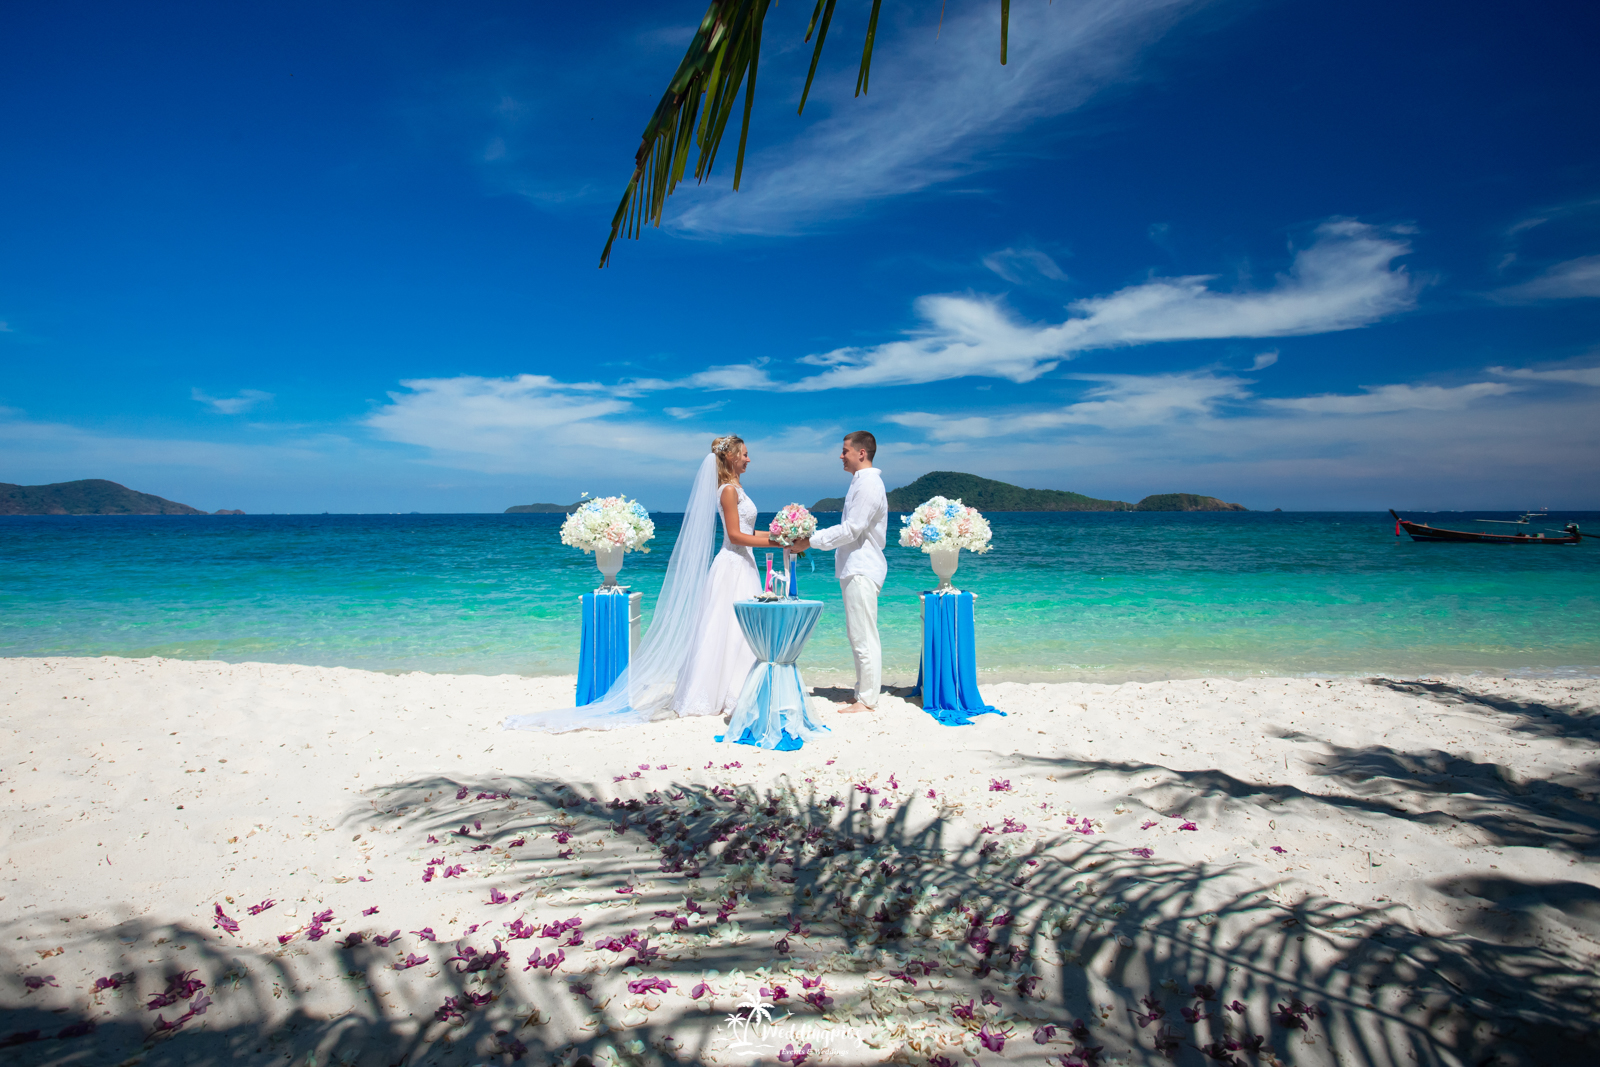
994	1040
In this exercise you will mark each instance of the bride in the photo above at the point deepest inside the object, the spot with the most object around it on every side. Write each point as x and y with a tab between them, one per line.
694	658
720	657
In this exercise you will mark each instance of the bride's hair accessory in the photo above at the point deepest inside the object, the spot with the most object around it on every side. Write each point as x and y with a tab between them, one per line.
725	448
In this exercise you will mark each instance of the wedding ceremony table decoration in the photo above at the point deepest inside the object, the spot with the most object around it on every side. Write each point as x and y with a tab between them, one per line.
942	528
772	711
609	526
948	677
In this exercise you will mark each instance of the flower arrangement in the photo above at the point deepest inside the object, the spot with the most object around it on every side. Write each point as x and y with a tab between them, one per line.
941	523
609	521
793	522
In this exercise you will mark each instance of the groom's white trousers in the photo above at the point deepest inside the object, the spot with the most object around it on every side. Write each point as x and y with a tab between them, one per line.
861	624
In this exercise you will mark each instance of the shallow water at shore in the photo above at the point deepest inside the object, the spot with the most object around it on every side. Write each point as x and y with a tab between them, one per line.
1086	597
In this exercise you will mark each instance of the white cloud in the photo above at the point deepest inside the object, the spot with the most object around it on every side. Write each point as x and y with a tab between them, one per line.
1264	360
689	413
494	416
5	327
232	405
535	424
730	377
1375	399
939	104
1137	403
1022	266
1574	375
1571	280
1413	446
1343	281
1118	402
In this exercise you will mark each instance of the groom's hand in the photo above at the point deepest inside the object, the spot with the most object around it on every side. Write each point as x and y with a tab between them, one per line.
800	545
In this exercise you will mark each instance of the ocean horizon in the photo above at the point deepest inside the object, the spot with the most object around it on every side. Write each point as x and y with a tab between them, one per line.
1062	596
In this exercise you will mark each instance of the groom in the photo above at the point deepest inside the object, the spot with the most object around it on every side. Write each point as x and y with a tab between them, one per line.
858	562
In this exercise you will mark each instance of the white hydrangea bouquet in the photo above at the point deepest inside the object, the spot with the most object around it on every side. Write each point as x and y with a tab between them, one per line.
942	523
609	522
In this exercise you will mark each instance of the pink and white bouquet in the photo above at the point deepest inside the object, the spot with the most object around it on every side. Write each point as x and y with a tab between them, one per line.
941	523
609	522
792	523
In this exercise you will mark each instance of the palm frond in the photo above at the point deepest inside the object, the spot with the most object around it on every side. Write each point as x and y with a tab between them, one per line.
694	111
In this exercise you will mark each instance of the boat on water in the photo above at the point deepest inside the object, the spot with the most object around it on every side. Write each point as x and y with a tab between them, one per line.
1421	531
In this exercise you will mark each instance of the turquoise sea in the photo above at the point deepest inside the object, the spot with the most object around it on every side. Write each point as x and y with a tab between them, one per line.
1098	597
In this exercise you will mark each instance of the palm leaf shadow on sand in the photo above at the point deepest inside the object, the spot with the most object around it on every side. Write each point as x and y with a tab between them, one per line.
1021	931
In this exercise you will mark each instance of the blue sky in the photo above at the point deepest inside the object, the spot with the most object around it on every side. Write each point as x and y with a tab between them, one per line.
299	257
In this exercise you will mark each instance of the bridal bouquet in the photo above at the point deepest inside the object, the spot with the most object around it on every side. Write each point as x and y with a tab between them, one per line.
941	523
609	521
792	523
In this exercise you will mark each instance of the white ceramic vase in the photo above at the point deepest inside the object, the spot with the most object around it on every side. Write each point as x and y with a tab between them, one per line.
945	560
609	559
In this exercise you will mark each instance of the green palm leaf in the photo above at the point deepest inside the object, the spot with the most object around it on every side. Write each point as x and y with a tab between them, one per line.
694	111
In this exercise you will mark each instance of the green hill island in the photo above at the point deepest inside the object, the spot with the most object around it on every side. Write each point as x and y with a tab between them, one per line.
88	496
986	494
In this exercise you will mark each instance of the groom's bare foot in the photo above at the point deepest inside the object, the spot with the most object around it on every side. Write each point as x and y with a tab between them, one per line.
854	709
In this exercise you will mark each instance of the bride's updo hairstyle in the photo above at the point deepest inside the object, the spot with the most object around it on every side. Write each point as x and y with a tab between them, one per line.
725	448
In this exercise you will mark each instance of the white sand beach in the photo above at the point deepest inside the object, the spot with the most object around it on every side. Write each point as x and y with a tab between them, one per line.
1436	899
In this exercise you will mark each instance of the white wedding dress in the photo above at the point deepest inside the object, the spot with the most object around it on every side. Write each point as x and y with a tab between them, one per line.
720	657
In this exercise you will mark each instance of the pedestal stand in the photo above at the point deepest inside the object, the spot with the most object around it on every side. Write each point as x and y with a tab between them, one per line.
610	634
948	678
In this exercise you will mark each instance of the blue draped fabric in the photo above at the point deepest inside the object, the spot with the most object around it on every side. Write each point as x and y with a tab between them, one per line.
771	712
603	650
948	678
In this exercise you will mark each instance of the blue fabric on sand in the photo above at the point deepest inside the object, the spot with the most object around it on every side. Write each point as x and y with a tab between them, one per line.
771	712
948	678
603	648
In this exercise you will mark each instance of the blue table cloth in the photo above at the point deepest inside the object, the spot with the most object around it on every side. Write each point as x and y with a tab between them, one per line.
772	712
603	648
948	678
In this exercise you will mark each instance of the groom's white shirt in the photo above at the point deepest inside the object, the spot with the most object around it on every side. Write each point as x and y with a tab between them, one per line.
863	528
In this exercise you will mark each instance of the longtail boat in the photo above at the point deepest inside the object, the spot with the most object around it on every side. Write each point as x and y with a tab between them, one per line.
1421	531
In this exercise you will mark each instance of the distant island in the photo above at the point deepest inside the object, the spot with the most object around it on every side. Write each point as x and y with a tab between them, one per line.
986	494
543	509
90	496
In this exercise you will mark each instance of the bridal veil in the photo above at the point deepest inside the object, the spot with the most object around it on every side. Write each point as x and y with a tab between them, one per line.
644	690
